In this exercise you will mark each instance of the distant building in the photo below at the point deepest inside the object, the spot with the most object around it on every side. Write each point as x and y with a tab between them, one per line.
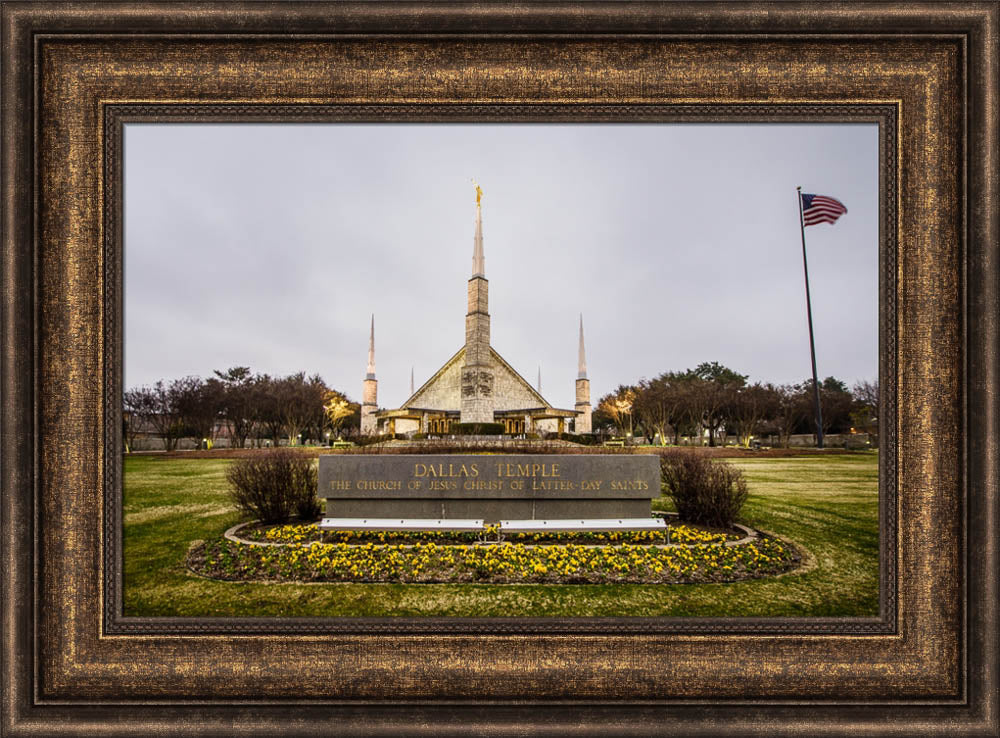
476	385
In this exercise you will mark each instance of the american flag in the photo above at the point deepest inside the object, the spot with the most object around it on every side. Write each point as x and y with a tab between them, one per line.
821	209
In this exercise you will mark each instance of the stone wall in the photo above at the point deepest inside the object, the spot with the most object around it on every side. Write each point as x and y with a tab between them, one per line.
510	392
445	392
407	425
583	409
477	322
547	425
369	403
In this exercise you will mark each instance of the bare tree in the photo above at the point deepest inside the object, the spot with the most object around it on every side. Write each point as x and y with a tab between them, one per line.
266	407
866	398
252	406
238	403
793	408
138	408
198	404
660	404
618	406
690	412
601	422
837	403
750	407
651	409
713	387
866	393
164	416
300	404
337	408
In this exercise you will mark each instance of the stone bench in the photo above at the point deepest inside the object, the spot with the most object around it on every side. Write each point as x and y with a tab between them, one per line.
451	524
512	526
598	524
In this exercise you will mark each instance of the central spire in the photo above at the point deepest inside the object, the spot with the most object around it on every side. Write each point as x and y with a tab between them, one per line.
477	370
478	260
582	373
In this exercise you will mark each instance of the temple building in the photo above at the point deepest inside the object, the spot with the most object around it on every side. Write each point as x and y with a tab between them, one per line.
476	385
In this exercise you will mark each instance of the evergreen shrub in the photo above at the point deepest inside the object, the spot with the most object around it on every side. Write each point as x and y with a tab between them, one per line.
369	440
477	429
584	439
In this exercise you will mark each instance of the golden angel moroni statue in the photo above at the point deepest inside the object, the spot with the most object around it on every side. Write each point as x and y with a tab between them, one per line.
479	192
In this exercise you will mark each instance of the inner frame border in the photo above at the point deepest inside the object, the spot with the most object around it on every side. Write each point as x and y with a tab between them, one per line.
116	115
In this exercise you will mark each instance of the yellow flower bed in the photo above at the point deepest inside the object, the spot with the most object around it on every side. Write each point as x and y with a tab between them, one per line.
494	563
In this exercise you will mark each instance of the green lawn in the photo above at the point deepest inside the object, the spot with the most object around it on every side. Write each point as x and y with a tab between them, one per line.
828	505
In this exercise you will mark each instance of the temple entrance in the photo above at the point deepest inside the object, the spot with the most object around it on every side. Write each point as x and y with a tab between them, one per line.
513	426
438	425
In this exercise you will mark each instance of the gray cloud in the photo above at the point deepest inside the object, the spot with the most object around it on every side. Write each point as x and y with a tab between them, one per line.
270	246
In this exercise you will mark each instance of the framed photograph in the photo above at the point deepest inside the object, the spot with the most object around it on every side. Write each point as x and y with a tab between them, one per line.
162	166
267	261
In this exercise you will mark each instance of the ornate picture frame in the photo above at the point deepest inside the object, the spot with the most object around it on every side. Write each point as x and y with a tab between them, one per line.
74	75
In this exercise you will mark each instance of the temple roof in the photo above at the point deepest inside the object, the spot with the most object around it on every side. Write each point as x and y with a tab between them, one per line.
414	401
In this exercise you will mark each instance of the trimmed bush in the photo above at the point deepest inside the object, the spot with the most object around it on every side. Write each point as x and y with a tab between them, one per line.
273	485
471	445
705	492
477	429
584	439
362	441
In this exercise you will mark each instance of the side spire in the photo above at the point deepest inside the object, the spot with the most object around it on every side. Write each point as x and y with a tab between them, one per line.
478	260
539	387
411	381
371	351
369	396
584	411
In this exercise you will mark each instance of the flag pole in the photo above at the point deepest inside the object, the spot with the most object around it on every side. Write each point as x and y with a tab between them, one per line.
812	344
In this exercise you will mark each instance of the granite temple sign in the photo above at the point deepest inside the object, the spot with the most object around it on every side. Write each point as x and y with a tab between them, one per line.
489	487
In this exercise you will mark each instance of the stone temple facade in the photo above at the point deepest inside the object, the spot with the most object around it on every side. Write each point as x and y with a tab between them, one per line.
476	385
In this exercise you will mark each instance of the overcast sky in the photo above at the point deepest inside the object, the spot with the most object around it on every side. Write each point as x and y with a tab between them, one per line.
270	246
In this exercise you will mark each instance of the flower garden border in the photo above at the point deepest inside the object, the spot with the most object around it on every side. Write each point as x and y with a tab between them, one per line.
750	534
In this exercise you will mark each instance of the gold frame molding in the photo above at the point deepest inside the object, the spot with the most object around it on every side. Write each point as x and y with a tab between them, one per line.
73	75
